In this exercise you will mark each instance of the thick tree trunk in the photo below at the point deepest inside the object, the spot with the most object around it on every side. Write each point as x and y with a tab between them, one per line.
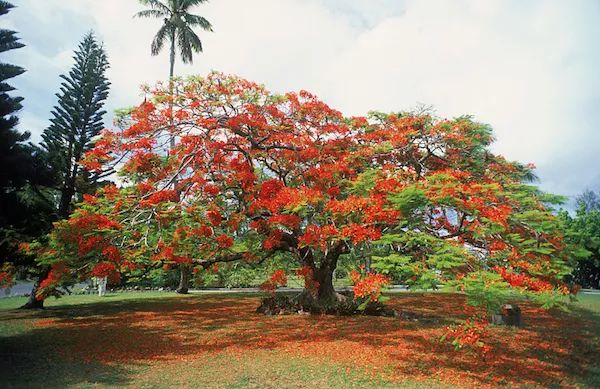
184	279
326	298
33	302
326	292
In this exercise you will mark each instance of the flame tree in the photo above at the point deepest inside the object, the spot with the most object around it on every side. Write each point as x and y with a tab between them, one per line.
259	174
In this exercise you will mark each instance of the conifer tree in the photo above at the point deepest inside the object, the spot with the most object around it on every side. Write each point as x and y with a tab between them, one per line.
9	105
77	119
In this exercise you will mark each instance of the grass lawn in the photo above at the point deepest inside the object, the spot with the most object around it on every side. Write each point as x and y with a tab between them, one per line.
160	340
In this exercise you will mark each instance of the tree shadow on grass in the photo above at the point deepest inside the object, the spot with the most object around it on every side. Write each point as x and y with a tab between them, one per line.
104	342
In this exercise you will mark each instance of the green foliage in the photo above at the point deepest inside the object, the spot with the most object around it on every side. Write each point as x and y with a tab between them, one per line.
485	290
583	231
409	200
414	256
244	277
419	260
364	182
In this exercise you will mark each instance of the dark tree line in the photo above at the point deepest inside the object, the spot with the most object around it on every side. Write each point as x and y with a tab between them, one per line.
26	210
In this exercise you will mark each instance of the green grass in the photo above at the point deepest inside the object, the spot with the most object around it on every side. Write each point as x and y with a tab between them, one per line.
32	353
9	303
590	302
271	369
41	366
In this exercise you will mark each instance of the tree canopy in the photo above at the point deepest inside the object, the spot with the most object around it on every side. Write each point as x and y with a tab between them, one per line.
261	174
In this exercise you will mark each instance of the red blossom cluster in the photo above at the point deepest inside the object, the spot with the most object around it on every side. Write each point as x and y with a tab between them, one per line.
359	233
167	254
106	269
112	253
289	221
142	162
5	279
498	245
211	190
470	335
101	153
203	231
144	187
57	272
273	240
368	286
316	236
277	279
277	199
88	244
523	281
498	214
89	199
372	209
214	217
161	196
86	221
224	241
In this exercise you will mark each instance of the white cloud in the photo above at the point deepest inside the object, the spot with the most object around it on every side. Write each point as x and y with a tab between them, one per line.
527	68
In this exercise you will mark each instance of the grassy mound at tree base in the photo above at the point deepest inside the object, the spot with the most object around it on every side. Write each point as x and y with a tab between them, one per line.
342	305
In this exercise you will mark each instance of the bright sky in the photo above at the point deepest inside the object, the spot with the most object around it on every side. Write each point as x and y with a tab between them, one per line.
530	68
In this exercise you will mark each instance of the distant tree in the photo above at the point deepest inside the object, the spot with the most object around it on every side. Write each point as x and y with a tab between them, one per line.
584	231
588	200
77	119
25	212
177	28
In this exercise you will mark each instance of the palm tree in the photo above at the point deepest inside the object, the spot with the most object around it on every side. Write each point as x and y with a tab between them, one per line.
177	28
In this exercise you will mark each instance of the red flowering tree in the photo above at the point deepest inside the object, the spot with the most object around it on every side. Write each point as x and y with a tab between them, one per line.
253	173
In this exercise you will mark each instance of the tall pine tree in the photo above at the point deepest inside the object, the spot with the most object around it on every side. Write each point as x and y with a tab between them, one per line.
25	212
12	150
77	119
11	141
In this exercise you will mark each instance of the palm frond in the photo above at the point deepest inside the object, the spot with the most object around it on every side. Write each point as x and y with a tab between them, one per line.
185	48
160	38
156	5
187	4
188	43
150	13
196	20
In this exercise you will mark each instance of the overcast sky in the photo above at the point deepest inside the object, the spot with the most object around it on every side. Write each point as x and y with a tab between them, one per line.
529	68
